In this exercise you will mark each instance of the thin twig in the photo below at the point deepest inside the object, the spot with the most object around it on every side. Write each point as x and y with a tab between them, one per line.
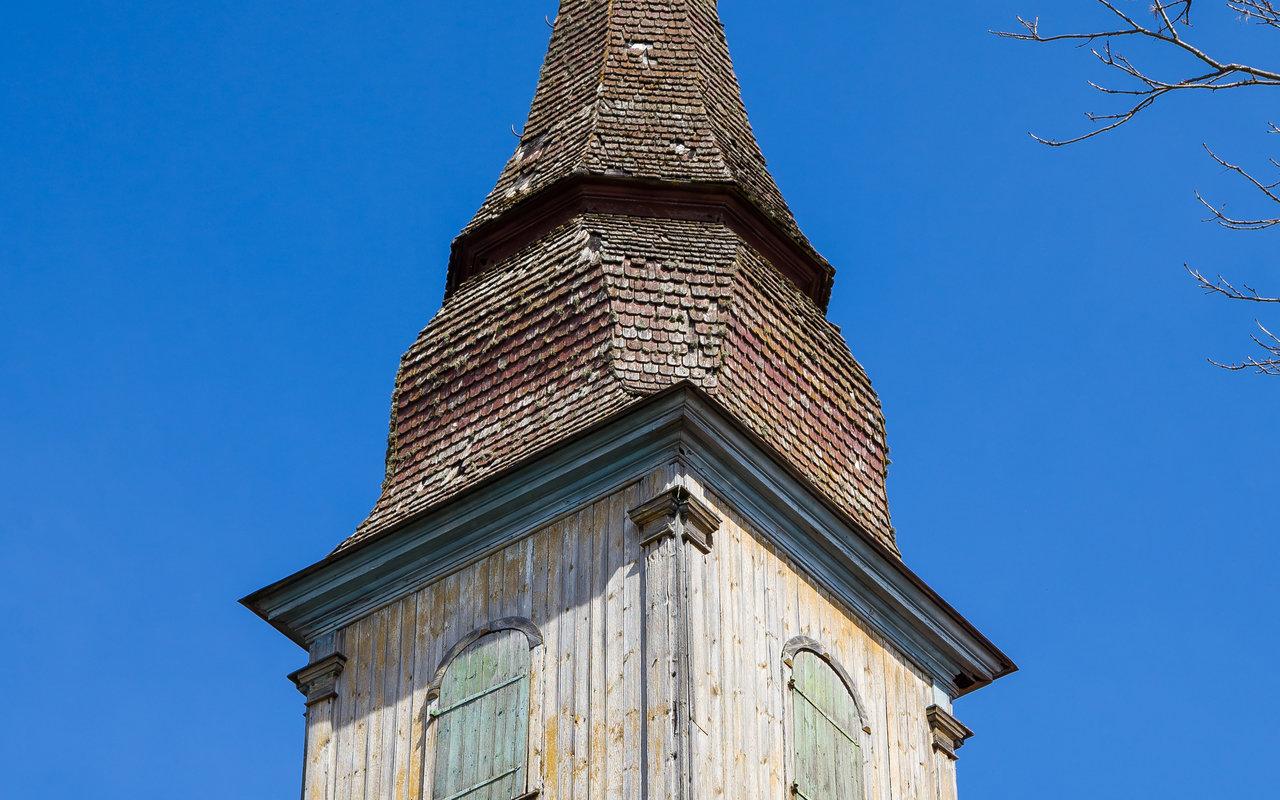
1223	74
1267	189
1263	366
1263	12
1225	288
1170	30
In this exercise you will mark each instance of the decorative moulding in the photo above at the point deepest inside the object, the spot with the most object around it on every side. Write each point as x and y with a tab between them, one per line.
949	733
676	512
477	250
319	681
798	643
530	631
682	423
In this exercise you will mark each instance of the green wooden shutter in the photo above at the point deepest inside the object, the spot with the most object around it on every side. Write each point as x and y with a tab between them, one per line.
828	749
482	721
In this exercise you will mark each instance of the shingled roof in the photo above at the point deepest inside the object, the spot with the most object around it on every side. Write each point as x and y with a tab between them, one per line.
637	88
634	241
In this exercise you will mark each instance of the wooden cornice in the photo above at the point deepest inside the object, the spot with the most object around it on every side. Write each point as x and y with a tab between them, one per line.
676	512
476	250
683	423
949	733
318	681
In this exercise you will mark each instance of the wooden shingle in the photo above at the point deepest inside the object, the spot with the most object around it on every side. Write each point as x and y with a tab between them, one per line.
635	241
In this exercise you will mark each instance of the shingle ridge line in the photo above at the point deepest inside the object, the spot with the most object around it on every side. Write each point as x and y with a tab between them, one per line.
704	99
581	158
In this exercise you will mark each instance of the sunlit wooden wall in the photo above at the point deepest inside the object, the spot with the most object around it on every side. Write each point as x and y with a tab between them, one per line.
581	582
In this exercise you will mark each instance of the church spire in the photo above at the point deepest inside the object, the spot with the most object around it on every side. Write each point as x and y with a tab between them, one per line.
642	91
634	243
640	88
631	457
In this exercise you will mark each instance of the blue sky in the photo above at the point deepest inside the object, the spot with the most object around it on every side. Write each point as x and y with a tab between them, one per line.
221	223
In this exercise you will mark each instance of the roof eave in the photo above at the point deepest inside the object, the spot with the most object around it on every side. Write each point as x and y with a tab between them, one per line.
357	579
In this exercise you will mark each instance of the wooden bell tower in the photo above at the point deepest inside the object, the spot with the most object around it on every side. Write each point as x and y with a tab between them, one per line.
633	540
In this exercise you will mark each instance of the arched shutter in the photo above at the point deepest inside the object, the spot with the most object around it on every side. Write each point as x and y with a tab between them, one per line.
482	721
828	749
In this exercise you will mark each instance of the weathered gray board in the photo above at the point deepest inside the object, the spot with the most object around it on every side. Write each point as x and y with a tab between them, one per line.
604	721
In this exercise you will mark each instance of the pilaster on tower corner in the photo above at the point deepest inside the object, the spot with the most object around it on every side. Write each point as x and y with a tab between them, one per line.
949	733
676	512
665	523
319	681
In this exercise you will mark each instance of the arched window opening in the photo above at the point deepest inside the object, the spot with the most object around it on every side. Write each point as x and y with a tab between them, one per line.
481	716
828	731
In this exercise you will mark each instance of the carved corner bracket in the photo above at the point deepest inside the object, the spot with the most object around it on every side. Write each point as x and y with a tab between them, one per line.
949	733
319	681
676	512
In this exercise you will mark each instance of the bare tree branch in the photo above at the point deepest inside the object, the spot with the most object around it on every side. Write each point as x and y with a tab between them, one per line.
1033	33
1272	345
1269	190
1225	288
1266	366
1170	15
1172	20
1269	365
1262	12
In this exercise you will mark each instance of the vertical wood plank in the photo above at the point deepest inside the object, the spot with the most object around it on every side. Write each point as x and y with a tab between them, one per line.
536	575
425	636
364	707
390	700
597	720
660	751
584	522
382	660
768	671
741	664
615	693
345	713
880	728
401	746
554	633
711	780
319	750
565	620
761	686
633	668
697	648
747	661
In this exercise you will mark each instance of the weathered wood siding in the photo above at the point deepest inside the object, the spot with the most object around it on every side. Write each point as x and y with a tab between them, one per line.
740	702
581	580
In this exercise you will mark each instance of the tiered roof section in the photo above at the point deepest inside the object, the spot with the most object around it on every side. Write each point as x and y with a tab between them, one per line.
635	241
